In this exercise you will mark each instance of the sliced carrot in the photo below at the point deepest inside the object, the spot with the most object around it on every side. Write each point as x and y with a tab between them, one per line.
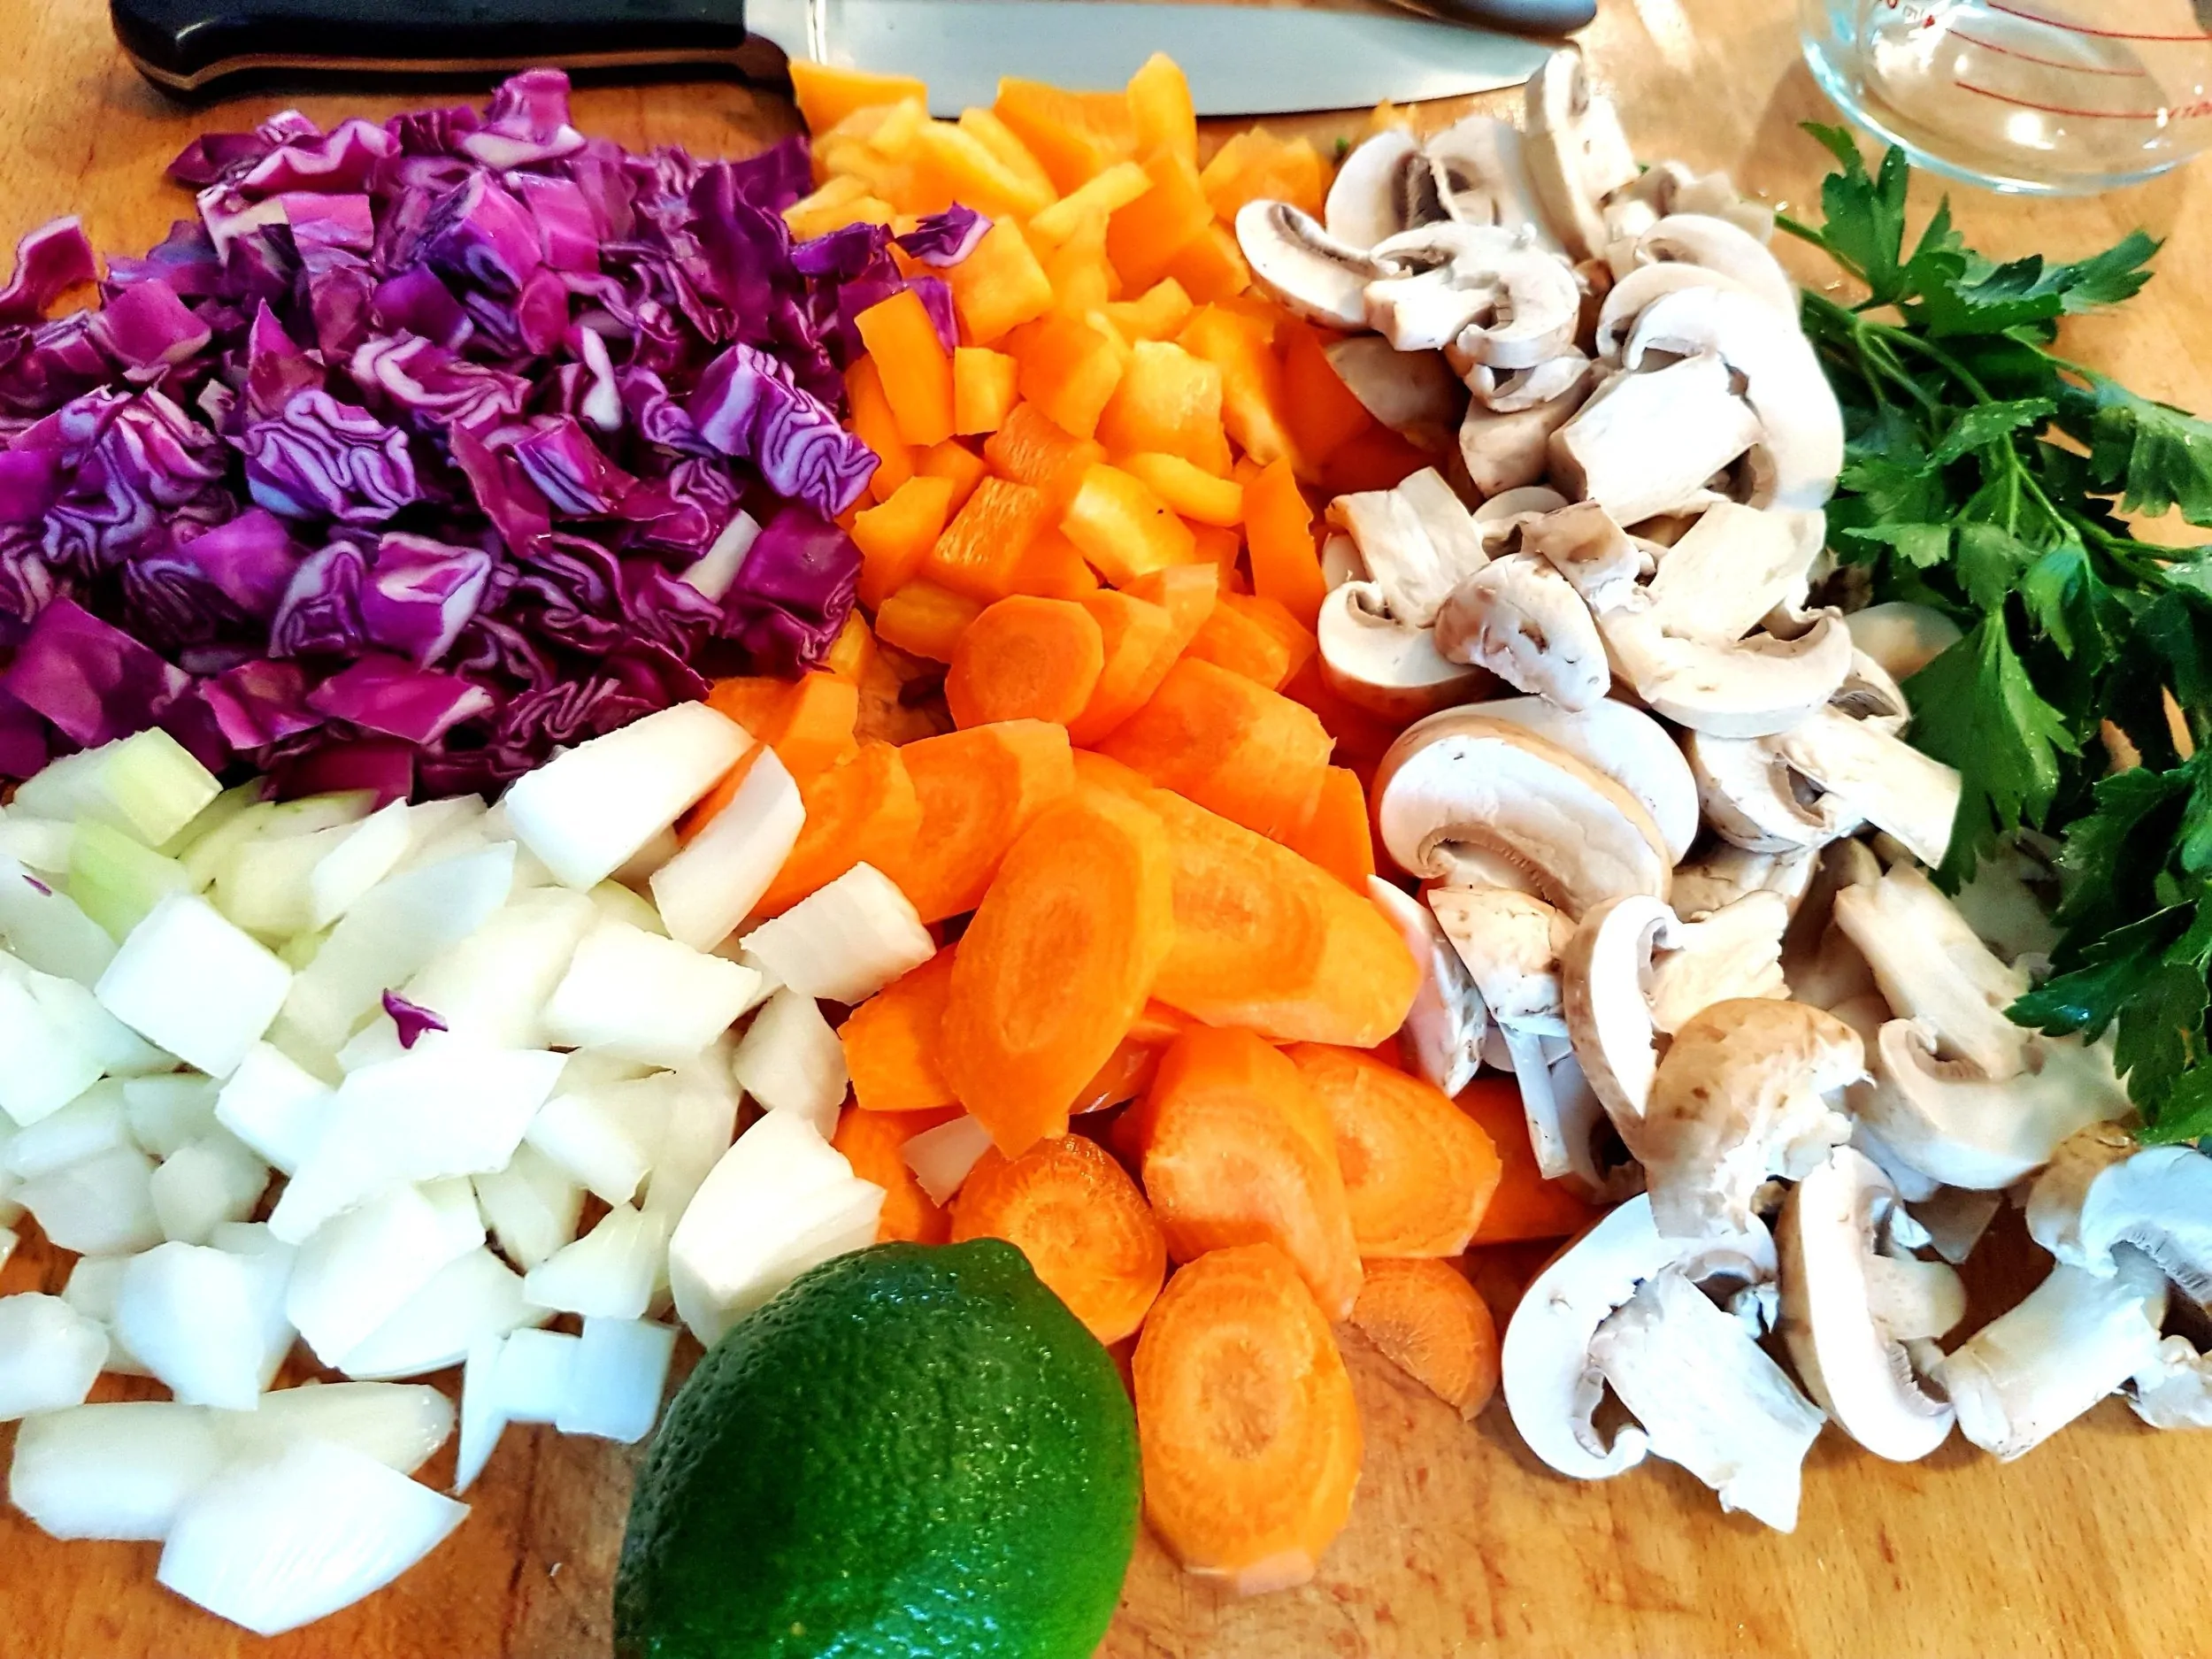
1252	396
1026	659
1377	458
1073	135
979	789
1236	1149
1170	402
1229	744
1525	1205
1433	1325
1079	1219
1279	531
1124	529
826	95
1070	367
865	810
808	722
1146	235
1258	163
1267	939
1057	964
916	370
874	425
1030	450
1127	1074
1158	313
982	547
1362	736
1191	491
1187	592
955	463
1318	408
1010	153
895	536
1161	110
1140	646
874	1144
1054	568
998	286
926	619
892	1041
1246	1426
982	389
1210	267
1337	837
1256	638
1418	1171
1159	1023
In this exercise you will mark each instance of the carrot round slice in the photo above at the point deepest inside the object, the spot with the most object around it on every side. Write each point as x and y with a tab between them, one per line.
1079	1219
1026	659
864	810
874	1144
1140	646
1237	1150
1434	1326
1245	1424
1418	1173
1230	744
979	789
1057	964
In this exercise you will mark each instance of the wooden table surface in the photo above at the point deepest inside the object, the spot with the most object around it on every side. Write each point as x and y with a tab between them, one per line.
1460	1543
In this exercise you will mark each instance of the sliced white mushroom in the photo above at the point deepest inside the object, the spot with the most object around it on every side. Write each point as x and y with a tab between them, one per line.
1373	194
2076	1338
1482	176
1717	244
1725	873
1509	391
1707	1396
1303	268
1370	659
1576	152
1510	505
1451	529
2175	1390
1749	687
1551	1387
1510	943
1340	563
2007	901
1932	967
1904	638
1625	744
1415	542
1734	953
1875	776
1505	453
1953	1218
1852	1296
1729	568
1521	620
1746	1090
1647	444
1821	964
1413	392
1531	325
1625	300
1752	800
1486	292
1444	1029
1598	558
2102	1191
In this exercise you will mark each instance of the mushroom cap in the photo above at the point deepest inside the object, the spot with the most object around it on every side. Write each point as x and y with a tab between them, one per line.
1483	176
1750	688
2157	1198
1602	973
1532	320
1508	391
1374	196
1741	1094
1506	453
1717	244
1749	796
1438	280
1444	1029
1521	620
1647	444
1598	558
1728	569
1626	299
1303	268
1457	777
1510	943
1735	952
1932	967
1575	153
1371	659
1847	1309
1625	744
1949	1121
1551	1388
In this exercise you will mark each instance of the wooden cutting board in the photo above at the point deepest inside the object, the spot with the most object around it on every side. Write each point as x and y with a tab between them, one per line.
1459	1542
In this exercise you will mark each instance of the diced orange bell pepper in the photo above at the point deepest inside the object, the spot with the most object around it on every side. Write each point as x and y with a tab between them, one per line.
999	285
1257	163
819	214
1074	135
1081	279
1211	267
1251	378
1160	107
957	463
982	389
917	369
926	619
1379	458
1030	449
965	169
1099	198
1169	402
826	95
1123	529
982	548
1144	237
1054	568
1256	638
1008	149
1070	367
874	425
852	654
896	537
1222	548
1158	313
1279	535
1194	493
1317	407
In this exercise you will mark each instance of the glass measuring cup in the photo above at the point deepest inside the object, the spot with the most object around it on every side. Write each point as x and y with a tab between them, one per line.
2055	97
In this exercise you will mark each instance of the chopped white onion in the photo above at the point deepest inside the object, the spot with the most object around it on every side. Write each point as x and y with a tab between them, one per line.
474	1296
790	1061
190	1313
359	1270
532	1206
198	1187
118	1472
400	1424
609	1272
711	886
533	1375
640	996
50	1354
98	1206
615	1379
170	1112
276	1106
846	941
942	1158
194	984
96	1121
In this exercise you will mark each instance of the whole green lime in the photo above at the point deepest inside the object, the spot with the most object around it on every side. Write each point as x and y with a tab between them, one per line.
912	1451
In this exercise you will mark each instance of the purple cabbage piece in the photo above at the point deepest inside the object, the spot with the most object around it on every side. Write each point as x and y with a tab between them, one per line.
95	682
148	329
320	613
746	406
415	302
513	505
23	743
30	482
569	470
212	158
480	236
382	767
433	386
27	583
947	238
48	262
322	458
794	591
146	470
336	164
775	178
390	697
184	261
224	582
259	703
935	295
528	123
330	222
412	1019
277	370
420	594
568	231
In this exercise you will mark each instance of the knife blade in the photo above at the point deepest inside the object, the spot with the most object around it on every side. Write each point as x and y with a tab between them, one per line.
1240	60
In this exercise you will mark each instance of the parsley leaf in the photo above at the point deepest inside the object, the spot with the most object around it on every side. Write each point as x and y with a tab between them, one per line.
2153	456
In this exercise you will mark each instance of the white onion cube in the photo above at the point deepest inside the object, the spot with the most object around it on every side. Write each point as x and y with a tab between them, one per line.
712	884
532	1379
268	1262
701	1123
188	1313
200	1186
50	1354
942	1158
194	984
119	1472
532	1206
99	1206
845	941
147	785
45	1061
275	1105
96	1122
400	1424
362	857
609	1272
639	995
584	1138
472	1297
169	1111
492	986
482	1419
790	1061
358	1270
47	928
615	1379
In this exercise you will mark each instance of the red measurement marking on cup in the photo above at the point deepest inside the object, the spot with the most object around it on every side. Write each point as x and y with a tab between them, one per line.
1975	41
2061	109
2084	28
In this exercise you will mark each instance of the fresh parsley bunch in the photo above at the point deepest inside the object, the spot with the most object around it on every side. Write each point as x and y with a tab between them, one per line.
1986	475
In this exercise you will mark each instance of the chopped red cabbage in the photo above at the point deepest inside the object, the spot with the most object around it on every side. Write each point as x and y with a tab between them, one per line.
48	262
412	1018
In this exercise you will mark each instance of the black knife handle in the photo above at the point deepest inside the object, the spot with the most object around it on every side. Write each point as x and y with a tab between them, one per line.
187	45
1517	17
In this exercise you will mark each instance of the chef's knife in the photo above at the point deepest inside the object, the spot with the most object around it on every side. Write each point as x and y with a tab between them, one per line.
1240	60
